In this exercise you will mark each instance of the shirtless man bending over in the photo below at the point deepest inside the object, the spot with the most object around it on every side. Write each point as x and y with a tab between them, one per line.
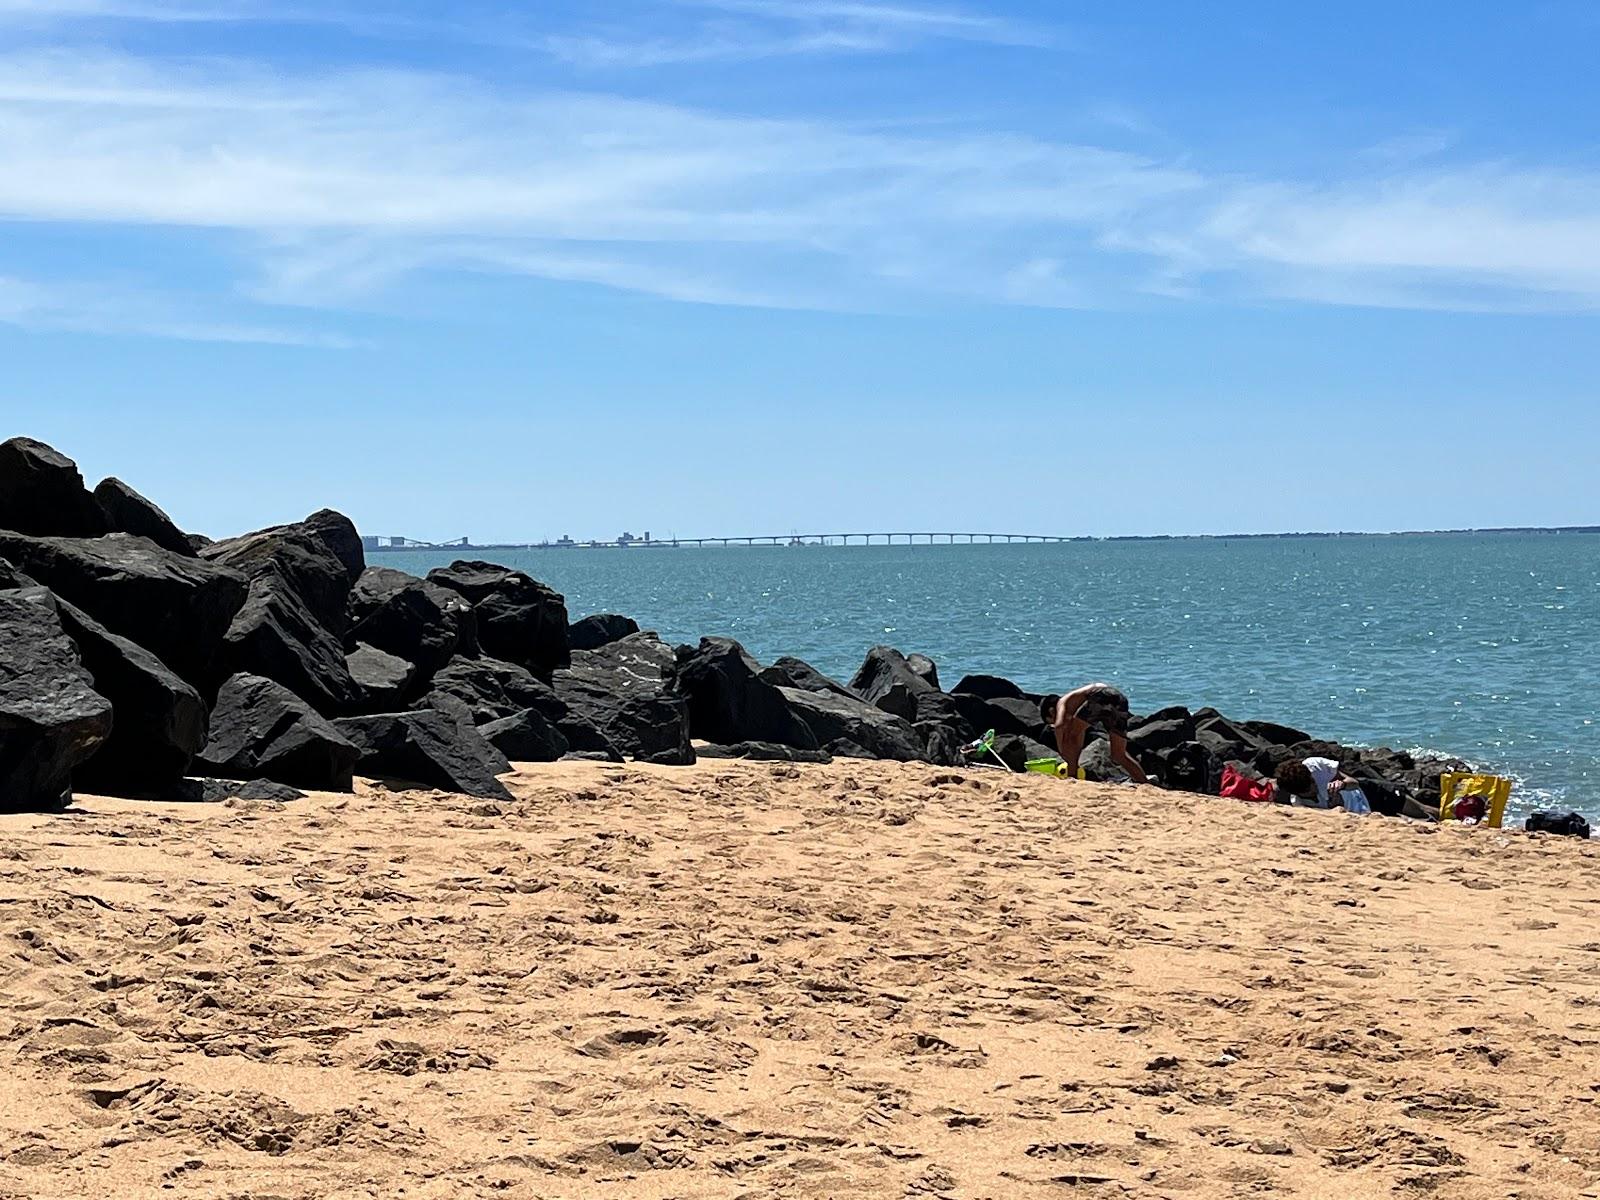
1094	704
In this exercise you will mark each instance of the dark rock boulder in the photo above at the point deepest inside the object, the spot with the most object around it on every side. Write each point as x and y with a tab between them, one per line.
988	687
275	635
1175	712
763	752
526	736
519	619
1151	736
42	493
176	607
627	691
408	617
218	791
1392	765
338	533
587	742
600	629
383	681
159	722
451	706
730	702
938	708
1097	764
1227	741
924	668
261	730
11	578
199	541
492	689
1026	717
942	745
834	718
297	560
52	721
126	511
1314	748
1277	735
790	672
429	749
887	680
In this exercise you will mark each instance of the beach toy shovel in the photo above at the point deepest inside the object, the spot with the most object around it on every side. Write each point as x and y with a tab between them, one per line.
984	745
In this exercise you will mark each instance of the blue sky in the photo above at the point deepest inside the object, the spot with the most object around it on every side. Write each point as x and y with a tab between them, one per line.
725	266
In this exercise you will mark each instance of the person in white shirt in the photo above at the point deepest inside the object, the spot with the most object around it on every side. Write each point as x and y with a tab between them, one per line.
1319	783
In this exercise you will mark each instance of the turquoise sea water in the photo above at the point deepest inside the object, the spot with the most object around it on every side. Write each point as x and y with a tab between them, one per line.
1486	646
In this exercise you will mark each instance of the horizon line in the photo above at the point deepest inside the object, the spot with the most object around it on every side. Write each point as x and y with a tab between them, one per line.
811	540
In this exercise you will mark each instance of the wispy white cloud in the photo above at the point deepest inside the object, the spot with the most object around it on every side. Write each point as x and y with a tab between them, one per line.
757	29
124	10
322	189
687	31
110	308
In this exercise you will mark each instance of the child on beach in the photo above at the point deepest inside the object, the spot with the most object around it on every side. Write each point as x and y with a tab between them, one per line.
1319	783
1094	705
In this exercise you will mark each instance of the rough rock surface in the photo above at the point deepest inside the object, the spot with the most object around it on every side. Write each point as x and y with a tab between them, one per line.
988	687
126	511
338	533
730	702
835	719
275	635
159	722
298	560
519	619
627	691
42	493
792	672
492	689
427	748
176	607
526	736
888	679
600	629
410	618
51	718
260	729
383	680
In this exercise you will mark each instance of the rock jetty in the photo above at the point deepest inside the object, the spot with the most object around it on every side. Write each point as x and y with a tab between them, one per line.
139	660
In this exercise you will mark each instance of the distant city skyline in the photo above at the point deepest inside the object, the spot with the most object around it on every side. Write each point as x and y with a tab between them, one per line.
1142	269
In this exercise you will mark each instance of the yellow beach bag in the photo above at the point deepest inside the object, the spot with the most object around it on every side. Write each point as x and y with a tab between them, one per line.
1491	790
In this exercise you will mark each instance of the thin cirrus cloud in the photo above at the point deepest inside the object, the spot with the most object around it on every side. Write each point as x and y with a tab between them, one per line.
55	307
327	189
56	11
756	29
701	30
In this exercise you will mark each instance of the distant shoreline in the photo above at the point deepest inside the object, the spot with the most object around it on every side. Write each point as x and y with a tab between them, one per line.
815	541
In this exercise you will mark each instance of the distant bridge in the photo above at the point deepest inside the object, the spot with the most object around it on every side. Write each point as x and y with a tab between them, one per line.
628	542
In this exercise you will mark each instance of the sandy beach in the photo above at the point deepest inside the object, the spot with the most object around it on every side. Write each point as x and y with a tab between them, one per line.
742	980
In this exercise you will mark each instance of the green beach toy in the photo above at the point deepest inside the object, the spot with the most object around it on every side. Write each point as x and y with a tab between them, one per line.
984	746
1050	766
